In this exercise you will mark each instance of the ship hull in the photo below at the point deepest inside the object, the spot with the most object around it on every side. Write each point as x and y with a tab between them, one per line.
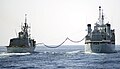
20	49
102	48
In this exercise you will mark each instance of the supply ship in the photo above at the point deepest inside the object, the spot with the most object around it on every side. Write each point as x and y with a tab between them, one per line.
23	43
102	38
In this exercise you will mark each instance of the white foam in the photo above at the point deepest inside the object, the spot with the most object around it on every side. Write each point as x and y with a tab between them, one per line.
90	53
73	52
10	54
94	53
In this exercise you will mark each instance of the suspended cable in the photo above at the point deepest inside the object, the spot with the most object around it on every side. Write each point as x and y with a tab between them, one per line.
54	46
57	45
61	43
76	41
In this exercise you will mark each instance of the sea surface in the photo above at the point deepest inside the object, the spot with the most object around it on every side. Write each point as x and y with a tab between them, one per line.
64	57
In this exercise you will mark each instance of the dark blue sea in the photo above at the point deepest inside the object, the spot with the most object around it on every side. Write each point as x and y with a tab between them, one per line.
64	57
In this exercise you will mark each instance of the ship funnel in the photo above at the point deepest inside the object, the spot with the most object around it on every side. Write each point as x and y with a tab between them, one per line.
108	31
89	28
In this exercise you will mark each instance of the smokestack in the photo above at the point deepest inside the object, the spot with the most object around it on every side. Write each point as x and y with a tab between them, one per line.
89	28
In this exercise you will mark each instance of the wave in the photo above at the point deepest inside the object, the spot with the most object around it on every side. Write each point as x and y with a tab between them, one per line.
95	53
12	54
74	52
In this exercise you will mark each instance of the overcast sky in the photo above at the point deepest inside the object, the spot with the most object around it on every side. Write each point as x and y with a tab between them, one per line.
53	20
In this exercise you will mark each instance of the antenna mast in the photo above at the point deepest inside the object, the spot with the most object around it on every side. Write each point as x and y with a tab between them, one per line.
100	16
25	18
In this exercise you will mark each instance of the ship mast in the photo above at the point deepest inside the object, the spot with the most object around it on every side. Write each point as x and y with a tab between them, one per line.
25	18
25	27
25	24
101	16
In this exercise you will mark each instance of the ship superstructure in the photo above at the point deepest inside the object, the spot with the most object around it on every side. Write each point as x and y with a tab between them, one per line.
23	43
102	38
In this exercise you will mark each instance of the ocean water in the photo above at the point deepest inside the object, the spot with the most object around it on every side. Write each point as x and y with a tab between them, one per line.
65	57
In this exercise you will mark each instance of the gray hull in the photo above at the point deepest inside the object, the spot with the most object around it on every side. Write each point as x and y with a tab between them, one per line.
102	48
20	49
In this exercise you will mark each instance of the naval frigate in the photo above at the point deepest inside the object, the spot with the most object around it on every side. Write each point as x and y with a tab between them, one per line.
23	43
102	38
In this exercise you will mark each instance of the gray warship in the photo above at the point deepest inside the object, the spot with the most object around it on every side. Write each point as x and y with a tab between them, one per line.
102	38
23	43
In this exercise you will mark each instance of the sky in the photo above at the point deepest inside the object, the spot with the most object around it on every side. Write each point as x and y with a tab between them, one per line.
52	21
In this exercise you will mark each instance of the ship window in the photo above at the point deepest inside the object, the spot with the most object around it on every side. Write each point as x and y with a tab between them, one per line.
102	35
104	38
96	43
